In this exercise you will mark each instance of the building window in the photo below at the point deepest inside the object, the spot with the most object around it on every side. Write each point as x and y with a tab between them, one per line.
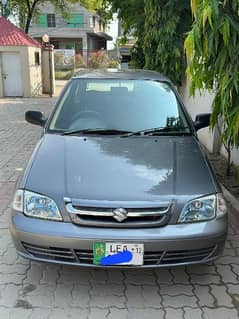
37	58
100	24
42	21
75	21
93	21
51	20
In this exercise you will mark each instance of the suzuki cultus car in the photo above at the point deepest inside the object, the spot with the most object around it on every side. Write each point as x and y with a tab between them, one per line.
119	178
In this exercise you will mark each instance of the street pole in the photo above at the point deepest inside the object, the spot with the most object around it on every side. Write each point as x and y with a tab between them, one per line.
50	67
49	47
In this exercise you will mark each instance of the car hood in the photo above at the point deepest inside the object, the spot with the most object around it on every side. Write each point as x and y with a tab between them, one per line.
119	169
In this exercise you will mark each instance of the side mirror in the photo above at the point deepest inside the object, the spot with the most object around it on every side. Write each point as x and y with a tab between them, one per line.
35	117
202	120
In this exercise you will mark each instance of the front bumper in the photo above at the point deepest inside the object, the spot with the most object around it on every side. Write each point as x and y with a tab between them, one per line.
66	243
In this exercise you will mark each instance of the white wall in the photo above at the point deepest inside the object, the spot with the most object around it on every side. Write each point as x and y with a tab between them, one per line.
35	70
235	155
202	104
196	105
30	73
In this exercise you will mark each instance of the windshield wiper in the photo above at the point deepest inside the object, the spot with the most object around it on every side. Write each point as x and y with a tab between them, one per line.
160	130
97	131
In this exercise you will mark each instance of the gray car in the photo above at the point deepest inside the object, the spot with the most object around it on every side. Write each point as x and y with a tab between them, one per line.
119	179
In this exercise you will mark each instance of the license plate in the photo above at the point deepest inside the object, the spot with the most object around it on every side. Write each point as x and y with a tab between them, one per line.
110	254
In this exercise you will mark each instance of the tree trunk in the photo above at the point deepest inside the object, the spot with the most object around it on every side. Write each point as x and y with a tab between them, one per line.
29	18
217	140
30	13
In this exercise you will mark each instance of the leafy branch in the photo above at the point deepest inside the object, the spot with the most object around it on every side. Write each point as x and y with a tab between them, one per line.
213	62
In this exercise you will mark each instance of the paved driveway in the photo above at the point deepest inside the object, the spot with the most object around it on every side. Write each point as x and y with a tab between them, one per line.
34	290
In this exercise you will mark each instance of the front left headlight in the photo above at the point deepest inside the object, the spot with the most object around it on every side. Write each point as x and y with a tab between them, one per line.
36	205
203	209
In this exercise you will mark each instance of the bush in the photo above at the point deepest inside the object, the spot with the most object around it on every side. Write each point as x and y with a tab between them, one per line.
79	61
100	59
114	64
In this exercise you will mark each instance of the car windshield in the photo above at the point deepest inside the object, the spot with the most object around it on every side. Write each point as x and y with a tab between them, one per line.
118	105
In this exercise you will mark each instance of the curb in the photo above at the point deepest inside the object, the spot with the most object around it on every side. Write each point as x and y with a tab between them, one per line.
230	198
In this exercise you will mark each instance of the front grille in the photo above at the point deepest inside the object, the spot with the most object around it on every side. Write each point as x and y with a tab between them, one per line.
84	256
151	258
177	257
50	253
107	217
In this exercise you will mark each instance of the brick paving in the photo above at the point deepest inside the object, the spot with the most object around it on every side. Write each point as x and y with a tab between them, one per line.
37	290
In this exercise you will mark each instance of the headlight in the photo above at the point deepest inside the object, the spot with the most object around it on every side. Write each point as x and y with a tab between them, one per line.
203	209
36	205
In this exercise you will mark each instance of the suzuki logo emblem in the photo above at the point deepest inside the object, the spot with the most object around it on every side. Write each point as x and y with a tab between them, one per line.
120	214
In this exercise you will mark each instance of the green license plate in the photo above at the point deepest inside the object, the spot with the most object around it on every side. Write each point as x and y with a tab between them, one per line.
122	253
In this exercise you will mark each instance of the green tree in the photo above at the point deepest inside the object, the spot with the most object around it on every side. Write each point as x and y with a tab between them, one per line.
132	17
213	63
130	13
166	24
159	27
94	6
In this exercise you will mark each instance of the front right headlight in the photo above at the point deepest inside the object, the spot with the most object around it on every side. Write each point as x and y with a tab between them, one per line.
203	209
36	205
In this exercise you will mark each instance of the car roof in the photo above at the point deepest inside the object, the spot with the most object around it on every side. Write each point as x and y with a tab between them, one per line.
128	74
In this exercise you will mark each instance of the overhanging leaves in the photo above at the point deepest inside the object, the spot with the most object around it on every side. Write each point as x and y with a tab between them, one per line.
213	60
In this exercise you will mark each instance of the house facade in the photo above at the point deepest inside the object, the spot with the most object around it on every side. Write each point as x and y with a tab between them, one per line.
81	30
